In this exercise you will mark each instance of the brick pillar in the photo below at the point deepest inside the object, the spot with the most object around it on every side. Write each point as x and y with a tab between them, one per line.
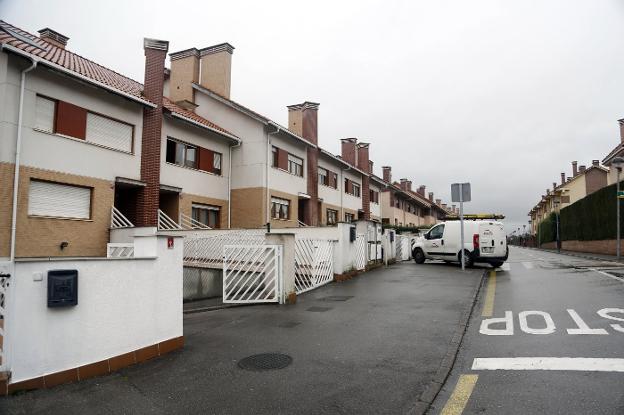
311	209
348	150
387	174
147	206
363	164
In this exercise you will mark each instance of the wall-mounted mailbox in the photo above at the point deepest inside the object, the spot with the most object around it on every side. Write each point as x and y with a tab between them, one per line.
62	288
352	234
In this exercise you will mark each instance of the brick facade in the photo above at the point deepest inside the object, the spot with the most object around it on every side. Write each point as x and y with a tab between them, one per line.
363	164
148	200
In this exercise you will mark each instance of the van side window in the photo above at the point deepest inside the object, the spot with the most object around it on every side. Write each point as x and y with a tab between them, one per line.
437	232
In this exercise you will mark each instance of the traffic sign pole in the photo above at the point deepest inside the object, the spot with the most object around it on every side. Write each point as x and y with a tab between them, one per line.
461	223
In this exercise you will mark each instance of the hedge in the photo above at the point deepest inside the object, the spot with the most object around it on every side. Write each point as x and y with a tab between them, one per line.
548	229
591	218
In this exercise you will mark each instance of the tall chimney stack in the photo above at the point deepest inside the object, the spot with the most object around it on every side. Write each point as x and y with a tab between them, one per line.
563	178
216	68
53	37
582	168
554	186
303	120
184	73
403	184
148	199
363	163
621	123
348	150
574	168
596	163
431	196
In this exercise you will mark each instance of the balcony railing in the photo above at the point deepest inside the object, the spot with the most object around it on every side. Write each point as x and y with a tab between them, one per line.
118	220
166	223
188	222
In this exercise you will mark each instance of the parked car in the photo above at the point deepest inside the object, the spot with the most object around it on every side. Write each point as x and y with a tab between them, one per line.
484	241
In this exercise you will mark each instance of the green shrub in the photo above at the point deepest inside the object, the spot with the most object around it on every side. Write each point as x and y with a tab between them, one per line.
548	229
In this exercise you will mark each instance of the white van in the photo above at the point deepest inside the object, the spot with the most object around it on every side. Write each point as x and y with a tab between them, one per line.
484	241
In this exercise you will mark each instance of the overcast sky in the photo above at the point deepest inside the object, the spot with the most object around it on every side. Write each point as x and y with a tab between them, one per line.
503	94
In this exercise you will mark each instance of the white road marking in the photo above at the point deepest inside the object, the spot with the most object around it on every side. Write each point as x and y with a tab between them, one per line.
583	328
549	363
606	274
528	265
524	325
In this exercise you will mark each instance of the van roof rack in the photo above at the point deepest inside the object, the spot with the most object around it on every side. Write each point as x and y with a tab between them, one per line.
477	216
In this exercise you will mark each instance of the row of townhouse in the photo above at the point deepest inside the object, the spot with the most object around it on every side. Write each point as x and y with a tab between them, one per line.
96	150
584	181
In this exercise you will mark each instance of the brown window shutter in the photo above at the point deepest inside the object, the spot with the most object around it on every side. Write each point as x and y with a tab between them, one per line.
282	159
348	186
205	159
71	120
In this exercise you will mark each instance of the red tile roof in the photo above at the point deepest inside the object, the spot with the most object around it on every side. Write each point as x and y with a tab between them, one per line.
68	60
176	109
20	39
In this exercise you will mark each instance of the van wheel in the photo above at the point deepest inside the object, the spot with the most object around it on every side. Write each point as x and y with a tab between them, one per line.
468	259
419	256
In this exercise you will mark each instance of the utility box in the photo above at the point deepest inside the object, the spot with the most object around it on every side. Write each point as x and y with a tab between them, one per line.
62	288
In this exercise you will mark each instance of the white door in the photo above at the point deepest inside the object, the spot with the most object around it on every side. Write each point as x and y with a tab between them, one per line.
434	242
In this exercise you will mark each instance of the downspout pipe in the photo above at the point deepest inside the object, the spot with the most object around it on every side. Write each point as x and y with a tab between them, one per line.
238	144
18	148
268	171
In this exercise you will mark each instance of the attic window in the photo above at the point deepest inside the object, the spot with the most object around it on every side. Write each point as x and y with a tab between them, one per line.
22	38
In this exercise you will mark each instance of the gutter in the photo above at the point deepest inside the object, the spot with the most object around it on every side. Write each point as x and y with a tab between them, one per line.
77	75
18	145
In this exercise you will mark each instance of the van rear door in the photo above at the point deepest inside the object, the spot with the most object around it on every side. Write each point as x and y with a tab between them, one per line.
492	239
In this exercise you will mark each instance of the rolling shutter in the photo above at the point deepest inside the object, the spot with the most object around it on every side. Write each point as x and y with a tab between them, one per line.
59	200
44	117
282	159
206	159
109	133
71	120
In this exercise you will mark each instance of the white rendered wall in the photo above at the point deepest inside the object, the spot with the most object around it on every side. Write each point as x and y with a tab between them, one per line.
282	180
123	305
54	152
191	180
348	201
329	194
375	208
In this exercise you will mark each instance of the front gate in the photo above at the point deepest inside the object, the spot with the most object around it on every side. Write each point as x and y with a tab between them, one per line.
359	252
314	264
4	288
252	273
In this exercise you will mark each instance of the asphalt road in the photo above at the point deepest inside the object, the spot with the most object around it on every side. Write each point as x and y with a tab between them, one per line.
545	284
370	345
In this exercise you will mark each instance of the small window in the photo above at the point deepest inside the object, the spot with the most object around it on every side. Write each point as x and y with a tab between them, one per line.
59	200
280	208
332	216
349	217
109	133
275	153
295	165
206	214
45	114
436	232
335	181
216	163
356	189
181	154
323	176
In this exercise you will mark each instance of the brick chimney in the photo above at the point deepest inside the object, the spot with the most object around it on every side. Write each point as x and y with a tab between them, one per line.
554	186
387	173
582	168
184	73
363	163
148	200
303	120
574	168
403	184
444	206
409	185
621	122
438	201
421	190
216	68
348	150
563	178
596	163
53	37
431	196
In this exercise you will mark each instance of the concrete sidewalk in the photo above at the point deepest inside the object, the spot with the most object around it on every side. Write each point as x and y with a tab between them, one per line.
586	255
374	344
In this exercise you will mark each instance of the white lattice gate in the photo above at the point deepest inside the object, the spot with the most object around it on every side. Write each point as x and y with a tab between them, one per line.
4	288
359	253
314	264
252	273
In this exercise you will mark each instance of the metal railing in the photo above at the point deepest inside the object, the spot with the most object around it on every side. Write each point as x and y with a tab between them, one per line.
118	220
188	222
166	223
207	251
302	224
252	273
119	250
314	264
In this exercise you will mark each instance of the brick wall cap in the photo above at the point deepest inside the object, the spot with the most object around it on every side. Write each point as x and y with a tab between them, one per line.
221	47
149	43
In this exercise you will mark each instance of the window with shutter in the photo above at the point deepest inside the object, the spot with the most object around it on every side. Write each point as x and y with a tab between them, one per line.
109	133
44	114
59	200
282	159
71	120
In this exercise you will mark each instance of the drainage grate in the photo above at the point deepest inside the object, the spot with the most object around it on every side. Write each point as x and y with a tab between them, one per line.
265	361
318	309
336	298
289	324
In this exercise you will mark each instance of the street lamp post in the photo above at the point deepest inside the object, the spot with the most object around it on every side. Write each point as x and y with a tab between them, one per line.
618	163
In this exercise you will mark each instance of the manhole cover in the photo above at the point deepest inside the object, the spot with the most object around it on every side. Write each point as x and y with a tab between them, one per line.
265	361
337	298
318	309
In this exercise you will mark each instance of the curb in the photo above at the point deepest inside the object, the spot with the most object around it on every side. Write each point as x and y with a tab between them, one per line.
574	254
425	400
